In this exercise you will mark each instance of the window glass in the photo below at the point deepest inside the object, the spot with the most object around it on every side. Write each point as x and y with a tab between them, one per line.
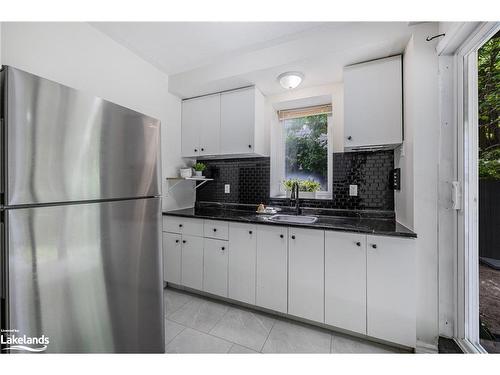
306	149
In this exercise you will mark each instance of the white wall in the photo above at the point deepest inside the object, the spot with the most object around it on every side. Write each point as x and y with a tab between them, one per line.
334	91
403	156
419	168
80	56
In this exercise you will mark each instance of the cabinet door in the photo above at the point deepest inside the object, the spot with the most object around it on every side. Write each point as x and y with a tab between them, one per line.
271	267
237	121
201	126
242	256
345	281
192	262
190	136
172	258
215	260
209	117
306	262
391	296
373	103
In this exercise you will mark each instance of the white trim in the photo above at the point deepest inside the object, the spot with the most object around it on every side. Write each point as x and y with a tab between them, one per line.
447	216
467	347
467	313
455	36
426	348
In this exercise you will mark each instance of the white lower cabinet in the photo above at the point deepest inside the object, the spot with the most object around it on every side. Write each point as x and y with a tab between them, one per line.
242	258
357	282
390	283
271	267
192	262
345	281
215	262
172	257
306	262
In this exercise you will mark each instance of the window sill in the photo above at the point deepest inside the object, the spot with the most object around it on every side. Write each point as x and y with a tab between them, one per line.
319	196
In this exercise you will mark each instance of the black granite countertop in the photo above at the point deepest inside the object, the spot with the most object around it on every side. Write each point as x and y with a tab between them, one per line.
360	223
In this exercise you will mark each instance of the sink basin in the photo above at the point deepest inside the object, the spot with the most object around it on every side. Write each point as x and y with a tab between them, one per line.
296	219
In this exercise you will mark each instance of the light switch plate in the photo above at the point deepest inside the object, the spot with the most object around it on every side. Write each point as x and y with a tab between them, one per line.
353	190
227	188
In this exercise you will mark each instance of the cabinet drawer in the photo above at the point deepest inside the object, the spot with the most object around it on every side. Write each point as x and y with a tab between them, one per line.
182	225
216	229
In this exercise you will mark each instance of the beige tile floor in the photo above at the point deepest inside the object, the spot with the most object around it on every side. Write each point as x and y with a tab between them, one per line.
195	324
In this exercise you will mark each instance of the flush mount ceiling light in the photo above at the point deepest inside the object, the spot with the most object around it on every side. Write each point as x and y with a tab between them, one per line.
290	80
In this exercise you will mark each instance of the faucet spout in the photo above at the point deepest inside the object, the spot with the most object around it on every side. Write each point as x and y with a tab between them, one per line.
298	210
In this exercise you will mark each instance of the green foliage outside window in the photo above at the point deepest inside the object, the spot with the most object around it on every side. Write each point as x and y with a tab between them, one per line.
304	185
489	108
306	149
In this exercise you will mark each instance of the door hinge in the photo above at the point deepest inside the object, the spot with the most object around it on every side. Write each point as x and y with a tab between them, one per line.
456	195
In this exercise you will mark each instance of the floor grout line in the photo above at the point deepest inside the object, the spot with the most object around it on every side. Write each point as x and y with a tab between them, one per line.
204	333
220	319
178	333
267	338
229	306
181	306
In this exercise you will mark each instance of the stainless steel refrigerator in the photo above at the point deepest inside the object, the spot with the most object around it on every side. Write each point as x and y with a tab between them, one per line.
81	261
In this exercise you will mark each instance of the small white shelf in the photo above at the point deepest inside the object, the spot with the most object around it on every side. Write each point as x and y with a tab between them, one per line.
202	180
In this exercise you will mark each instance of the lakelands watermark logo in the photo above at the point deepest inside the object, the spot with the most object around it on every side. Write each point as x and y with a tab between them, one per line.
13	341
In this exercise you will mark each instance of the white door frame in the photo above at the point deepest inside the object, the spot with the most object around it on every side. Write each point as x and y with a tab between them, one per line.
467	313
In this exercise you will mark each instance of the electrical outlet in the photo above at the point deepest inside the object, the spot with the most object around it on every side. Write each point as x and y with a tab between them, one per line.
353	190
227	188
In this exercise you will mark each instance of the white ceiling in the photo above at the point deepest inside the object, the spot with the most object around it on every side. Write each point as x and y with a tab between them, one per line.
205	57
176	47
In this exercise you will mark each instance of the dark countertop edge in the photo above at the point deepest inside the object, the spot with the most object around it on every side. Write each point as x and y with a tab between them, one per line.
408	234
369	213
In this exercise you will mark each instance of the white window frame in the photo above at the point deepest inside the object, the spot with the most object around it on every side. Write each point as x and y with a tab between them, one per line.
280	162
467	306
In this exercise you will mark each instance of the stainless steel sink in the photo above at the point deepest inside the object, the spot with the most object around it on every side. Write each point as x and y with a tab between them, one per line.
296	219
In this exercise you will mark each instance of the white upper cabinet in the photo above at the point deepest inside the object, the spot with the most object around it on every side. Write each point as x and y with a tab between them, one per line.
226	124
201	126
373	104
242	122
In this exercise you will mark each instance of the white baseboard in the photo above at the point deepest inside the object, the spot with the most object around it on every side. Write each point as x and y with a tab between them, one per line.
426	348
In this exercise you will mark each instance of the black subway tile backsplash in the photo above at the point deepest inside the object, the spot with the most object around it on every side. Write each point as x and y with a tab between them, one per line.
371	171
250	178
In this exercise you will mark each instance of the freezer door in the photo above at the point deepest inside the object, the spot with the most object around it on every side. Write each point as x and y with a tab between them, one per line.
66	145
87	276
